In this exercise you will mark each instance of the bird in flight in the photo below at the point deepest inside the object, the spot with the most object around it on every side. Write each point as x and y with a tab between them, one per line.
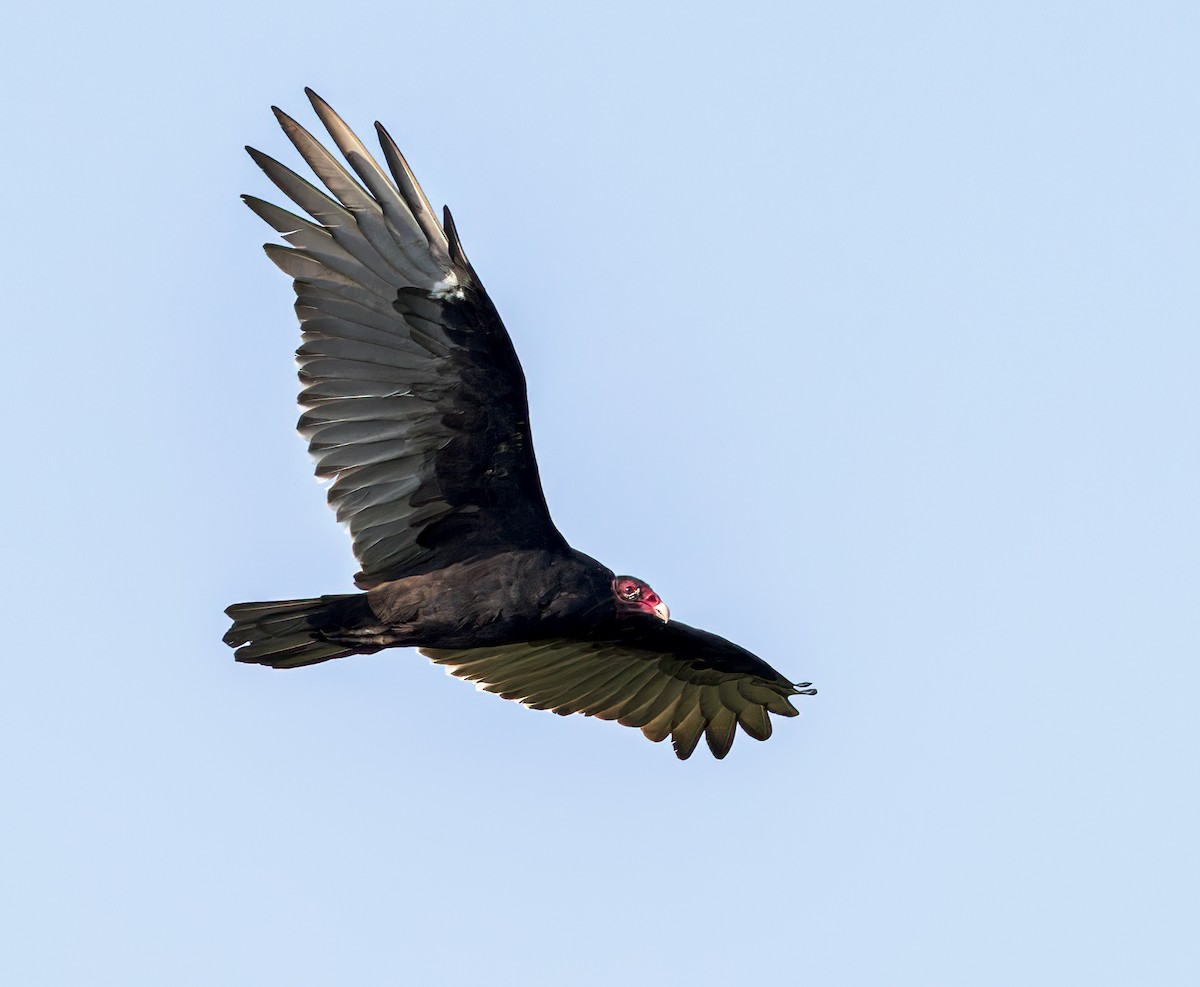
414	406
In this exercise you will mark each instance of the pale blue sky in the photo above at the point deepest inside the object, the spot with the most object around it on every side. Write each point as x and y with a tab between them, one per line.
902	300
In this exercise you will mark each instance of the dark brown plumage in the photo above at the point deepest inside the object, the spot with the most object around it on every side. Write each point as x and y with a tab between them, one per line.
414	405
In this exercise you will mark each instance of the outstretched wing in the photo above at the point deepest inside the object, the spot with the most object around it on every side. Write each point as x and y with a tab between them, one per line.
414	400
668	679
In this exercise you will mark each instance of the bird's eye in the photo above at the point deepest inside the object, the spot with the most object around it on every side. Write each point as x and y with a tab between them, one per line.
631	592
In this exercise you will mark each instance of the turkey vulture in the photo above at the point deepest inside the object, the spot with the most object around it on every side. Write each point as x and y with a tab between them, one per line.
414	406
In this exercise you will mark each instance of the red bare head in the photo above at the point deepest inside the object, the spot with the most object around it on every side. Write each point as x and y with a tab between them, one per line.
635	596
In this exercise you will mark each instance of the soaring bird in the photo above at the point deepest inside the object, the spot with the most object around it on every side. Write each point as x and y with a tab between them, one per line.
415	408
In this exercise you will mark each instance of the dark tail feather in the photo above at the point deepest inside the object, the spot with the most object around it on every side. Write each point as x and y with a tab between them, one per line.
291	633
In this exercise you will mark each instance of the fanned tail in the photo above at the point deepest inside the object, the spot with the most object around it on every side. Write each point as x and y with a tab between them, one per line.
291	633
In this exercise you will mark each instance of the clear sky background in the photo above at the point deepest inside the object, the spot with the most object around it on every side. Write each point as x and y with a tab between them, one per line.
867	333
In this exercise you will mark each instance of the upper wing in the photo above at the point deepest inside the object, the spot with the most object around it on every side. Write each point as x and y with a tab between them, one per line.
668	679
414	400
